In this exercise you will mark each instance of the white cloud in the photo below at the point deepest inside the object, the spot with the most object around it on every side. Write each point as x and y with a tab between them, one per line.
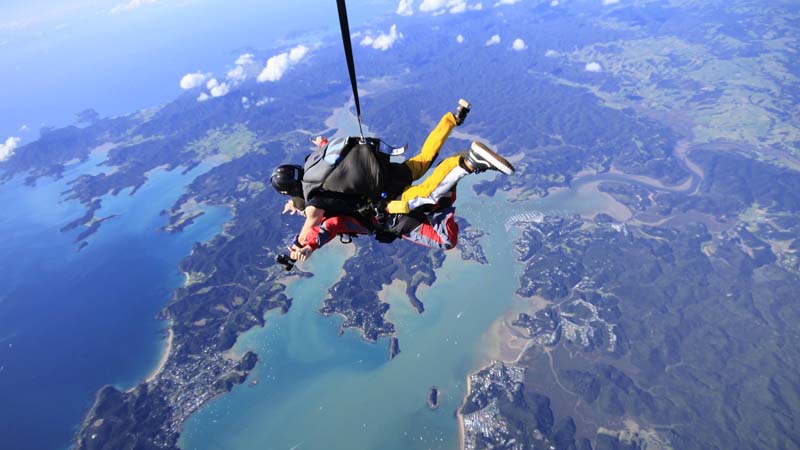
130	6
458	6
212	83
494	40
432	5
277	65
460	39
506	2
245	67
519	45
193	80
593	67
438	7
7	149
203	97
265	100
298	53
551	53
405	8
220	90
610	2
554	3
248	103
382	41
237	74
245	59
24	127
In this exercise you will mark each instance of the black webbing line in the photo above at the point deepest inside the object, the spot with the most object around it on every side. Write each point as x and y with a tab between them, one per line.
348	53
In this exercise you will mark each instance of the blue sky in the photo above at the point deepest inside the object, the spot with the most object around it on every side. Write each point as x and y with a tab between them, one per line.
118	56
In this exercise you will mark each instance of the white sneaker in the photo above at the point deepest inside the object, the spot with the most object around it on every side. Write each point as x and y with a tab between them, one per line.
481	158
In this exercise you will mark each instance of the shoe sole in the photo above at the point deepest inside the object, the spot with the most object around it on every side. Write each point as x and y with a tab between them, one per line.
495	160
463	103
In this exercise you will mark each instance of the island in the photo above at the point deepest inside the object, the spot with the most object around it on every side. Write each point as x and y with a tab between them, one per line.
433	397
394	347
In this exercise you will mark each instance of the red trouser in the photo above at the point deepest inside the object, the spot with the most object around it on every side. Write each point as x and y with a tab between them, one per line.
438	230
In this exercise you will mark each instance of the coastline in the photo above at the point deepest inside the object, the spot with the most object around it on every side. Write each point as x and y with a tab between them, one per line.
501	342
165	354
234	353
461	431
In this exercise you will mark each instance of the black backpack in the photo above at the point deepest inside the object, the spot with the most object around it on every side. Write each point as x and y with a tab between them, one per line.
346	175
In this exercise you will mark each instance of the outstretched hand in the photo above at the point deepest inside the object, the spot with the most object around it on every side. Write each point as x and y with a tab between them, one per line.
319	141
291	209
300	253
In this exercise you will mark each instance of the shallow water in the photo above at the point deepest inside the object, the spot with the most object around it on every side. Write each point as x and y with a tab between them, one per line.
319	390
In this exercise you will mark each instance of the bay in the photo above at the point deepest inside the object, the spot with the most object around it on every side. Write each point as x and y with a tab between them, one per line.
318	390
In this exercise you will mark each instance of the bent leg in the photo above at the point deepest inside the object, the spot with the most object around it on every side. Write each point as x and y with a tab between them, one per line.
420	163
446	175
439	231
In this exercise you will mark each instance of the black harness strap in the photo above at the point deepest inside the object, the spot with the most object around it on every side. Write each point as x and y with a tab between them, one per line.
348	52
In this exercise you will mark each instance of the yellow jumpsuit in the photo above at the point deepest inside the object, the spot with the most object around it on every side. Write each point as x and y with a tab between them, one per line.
446	174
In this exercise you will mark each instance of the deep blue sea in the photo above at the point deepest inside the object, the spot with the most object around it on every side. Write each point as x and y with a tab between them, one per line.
72	321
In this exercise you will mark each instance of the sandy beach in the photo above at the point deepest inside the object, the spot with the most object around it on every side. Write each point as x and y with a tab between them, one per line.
390	294
461	433
164	356
502	342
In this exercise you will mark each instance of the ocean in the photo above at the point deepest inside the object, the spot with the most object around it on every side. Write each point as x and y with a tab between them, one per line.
73	321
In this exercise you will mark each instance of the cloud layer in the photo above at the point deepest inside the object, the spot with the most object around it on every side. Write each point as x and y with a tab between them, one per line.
519	45
494	40
7	148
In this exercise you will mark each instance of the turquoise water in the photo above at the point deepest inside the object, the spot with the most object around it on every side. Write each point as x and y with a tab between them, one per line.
317	390
73	321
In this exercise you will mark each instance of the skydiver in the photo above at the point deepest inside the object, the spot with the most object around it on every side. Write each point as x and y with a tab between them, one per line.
422	213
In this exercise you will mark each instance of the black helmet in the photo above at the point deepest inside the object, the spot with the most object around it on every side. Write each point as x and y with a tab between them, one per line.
286	179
